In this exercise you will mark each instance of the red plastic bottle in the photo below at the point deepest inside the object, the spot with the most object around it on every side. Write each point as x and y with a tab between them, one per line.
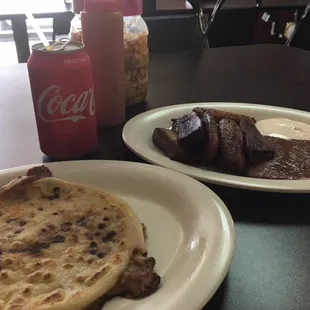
103	35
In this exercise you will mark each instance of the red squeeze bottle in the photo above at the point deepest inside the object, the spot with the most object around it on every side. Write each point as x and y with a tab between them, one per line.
103	35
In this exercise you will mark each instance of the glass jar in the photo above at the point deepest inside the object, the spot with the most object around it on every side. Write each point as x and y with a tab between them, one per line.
136	59
136	49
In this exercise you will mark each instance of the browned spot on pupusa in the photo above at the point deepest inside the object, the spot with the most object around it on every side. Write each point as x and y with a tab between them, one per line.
14	307
93	251
44	230
66	226
27	291
22	222
109	236
144	229
48	277
94	278
37	265
50	226
35	277
90	260
101	254
49	262
35	248
55	194
116	259
4	275
17	300
101	226
13	219
81	219
58	239
55	296
80	279
89	235
93	244
7	262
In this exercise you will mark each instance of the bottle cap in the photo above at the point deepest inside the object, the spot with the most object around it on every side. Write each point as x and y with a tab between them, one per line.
132	7
109	6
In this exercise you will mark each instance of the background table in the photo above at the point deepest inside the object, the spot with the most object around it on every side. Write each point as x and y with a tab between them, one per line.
272	260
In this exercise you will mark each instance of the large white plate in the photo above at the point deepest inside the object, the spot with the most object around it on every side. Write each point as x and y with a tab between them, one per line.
191	233
137	134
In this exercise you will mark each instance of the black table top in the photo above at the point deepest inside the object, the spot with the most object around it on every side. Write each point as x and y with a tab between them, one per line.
271	266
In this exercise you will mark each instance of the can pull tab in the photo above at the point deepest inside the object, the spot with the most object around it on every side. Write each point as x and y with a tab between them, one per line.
58	45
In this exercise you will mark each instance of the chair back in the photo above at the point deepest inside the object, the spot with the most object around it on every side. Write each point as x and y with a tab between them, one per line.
173	33
301	35
229	27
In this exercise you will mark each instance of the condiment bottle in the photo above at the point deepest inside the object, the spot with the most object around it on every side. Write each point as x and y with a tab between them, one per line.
103	35
136	52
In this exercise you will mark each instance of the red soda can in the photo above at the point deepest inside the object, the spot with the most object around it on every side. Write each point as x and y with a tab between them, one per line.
63	97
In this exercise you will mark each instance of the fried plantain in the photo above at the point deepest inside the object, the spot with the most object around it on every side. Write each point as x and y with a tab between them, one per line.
191	135
167	141
257	147
211	133
219	115
231	156
175	124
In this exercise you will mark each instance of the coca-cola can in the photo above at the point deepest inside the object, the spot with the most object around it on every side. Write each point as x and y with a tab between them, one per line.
63	97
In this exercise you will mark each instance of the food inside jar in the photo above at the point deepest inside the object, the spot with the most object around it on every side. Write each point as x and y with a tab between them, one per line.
76	36
136	62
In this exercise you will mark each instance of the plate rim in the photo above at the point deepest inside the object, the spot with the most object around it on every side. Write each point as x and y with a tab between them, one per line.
241	182
229	236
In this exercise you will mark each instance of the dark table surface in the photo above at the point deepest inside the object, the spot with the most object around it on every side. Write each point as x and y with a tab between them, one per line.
271	267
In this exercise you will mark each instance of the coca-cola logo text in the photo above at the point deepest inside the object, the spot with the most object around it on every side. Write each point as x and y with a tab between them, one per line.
71	108
76	60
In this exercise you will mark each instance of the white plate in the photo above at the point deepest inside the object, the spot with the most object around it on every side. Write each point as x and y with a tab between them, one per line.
137	134
191	233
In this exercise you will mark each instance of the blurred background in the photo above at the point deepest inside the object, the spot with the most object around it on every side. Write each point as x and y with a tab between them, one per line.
237	22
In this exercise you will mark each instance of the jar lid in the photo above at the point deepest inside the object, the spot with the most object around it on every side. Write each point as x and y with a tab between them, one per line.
132	7
103	5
